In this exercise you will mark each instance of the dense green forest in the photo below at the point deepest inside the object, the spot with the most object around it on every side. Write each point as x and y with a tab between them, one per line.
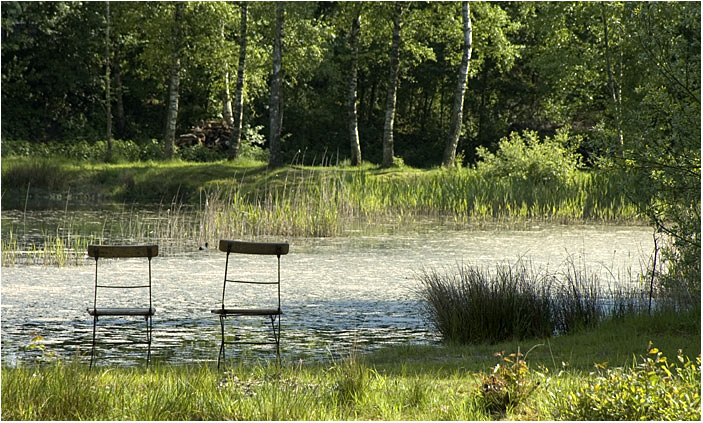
598	69
617	84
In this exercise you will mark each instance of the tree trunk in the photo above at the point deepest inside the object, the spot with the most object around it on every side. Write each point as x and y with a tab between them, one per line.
120	121
226	101
615	89
174	83
392	90
239	90
458	109
275	158
108	100
353	120
224	93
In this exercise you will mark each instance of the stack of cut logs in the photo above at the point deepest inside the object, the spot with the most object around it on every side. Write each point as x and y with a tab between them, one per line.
213	134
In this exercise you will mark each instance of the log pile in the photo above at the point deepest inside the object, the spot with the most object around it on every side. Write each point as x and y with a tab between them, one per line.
214	134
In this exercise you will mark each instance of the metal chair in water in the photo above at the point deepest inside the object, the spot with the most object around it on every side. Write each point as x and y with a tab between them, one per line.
111	251
274	314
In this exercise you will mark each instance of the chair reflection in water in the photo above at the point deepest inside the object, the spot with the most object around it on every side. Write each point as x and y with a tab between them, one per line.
147	312
273	314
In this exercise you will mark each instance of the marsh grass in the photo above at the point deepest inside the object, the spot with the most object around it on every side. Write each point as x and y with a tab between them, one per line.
476	305
316	202
52	250
210	201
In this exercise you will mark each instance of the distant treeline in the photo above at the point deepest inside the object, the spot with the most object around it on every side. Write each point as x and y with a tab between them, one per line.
608	72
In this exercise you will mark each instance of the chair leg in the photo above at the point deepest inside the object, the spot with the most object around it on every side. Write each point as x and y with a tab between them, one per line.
148	338
276	334
92	350
221	354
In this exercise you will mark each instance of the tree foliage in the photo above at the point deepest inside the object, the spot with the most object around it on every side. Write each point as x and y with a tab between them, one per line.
622	78
662	153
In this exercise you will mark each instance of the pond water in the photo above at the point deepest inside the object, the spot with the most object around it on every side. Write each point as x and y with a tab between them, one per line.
338	294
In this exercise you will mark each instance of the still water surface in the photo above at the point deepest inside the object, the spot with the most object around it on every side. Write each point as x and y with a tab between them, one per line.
337	293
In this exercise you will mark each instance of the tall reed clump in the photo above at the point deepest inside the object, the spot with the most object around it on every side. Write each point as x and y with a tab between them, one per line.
476	306
324	202
468	194
308	204
52	250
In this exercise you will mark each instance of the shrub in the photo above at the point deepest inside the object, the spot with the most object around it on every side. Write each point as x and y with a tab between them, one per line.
251	144
122	150
552	160
507	385
651	390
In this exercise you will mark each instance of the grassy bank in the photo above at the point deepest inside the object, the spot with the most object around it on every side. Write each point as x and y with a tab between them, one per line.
549	379
195	203
367	192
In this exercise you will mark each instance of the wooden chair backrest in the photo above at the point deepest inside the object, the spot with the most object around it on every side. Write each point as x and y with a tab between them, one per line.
242	247
123	251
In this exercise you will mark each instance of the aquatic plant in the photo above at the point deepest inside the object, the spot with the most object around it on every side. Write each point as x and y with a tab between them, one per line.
475	305
299	201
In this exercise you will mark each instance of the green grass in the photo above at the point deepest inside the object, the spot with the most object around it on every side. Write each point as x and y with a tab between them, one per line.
209	201
368	191
397	383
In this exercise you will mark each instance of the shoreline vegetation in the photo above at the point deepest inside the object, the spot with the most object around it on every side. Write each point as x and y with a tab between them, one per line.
650	358
120	118
570	377
198	202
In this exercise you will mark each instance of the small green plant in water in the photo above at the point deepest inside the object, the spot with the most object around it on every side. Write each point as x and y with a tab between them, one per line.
37	344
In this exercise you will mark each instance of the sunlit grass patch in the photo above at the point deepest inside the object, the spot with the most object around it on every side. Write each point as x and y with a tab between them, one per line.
530	379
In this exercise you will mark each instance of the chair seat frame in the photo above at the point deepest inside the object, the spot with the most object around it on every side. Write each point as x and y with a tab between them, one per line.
120	251
274	314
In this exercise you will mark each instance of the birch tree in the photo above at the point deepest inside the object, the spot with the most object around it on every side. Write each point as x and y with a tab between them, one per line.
108	99
458	108
225	96
392	89
615	74
352	99
275	112
174	82
239	90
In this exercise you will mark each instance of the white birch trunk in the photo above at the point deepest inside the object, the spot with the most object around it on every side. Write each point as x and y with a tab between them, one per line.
226	101
352	99
458	109
108	99
275	158
615	89
239	90
174	83
392	91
